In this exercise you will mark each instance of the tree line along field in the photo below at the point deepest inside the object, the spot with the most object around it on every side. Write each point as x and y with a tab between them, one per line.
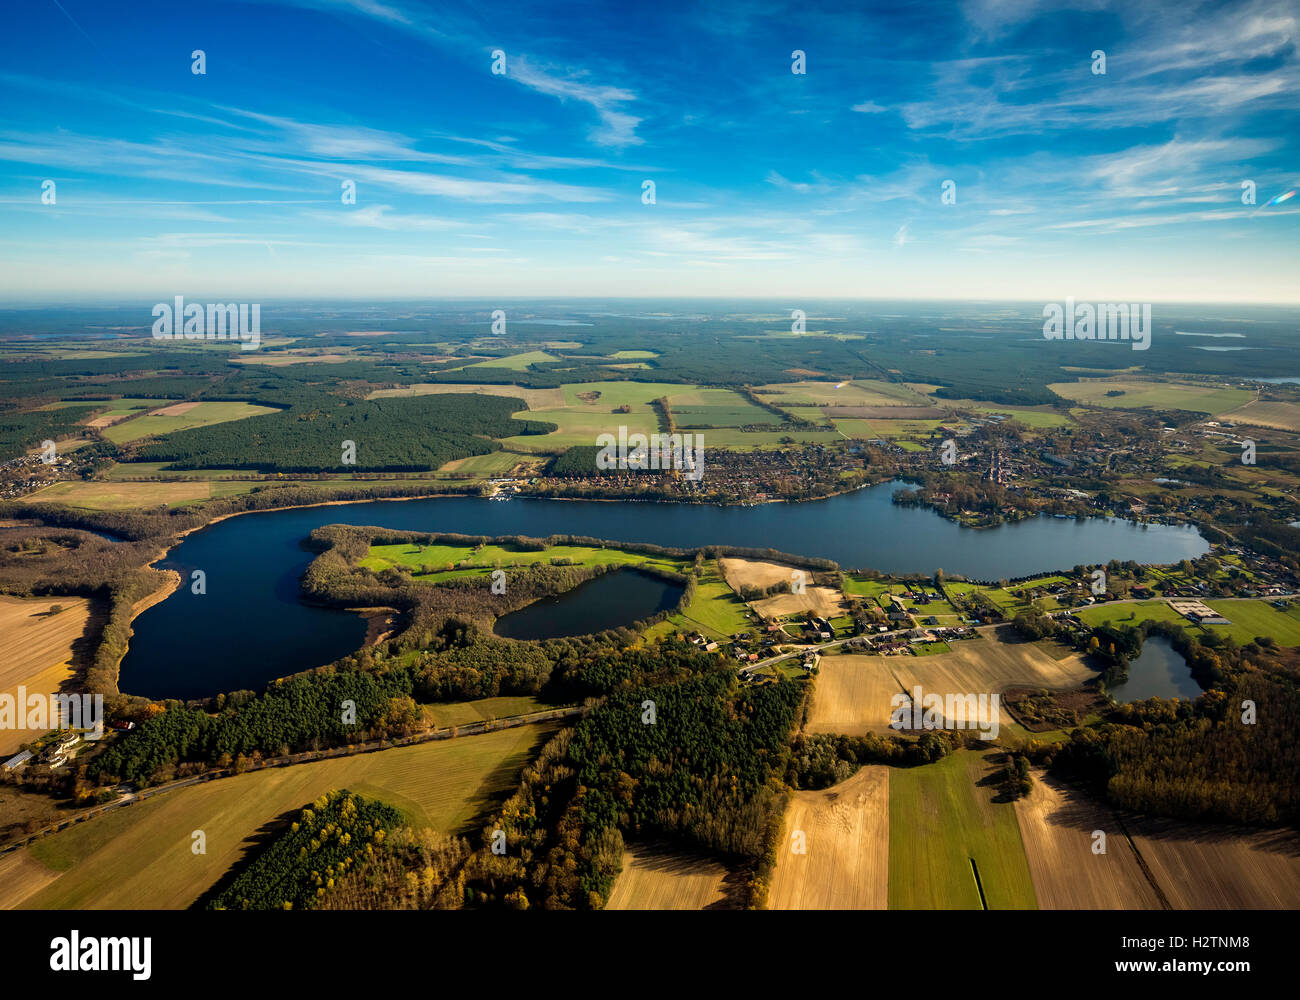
139	856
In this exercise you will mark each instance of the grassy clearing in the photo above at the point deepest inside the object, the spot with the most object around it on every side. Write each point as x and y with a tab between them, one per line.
860	586
939	820
1249	617
460	713
435	562
590	409
1268	413
140	858
862	392
495	463
1153	394
153	424
715	610
124	496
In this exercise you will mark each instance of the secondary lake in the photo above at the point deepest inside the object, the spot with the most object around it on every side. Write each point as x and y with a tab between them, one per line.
249	627
613	599
1159	672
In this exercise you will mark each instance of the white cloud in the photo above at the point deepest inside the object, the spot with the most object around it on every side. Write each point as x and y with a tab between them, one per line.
618	128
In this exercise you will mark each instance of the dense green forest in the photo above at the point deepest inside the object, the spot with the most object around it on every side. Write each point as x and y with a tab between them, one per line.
414	434
698	759
329	838
21	432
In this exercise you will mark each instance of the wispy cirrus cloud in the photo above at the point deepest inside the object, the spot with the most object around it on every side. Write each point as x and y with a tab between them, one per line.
617	128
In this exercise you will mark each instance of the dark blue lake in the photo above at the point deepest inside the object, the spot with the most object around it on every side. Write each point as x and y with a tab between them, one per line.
250	627
620	597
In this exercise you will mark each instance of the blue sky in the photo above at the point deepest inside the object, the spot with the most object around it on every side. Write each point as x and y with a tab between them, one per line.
768	183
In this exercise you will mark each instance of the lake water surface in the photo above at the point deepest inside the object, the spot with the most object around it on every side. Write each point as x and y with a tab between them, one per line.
249	627
1159	672
617	598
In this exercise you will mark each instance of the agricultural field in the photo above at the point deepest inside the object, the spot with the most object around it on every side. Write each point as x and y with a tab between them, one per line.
990	664
1267	413
846	831
852	695
21	876
1154	395
1203	867
756	573
1056	825
181	416
442	715
108	495
515	362
890	430
658	879
302	356
853	692
734	439
709	408
589	410
825	602
856	393
496	464
118	409
39	650
139	857
1250	617
942	827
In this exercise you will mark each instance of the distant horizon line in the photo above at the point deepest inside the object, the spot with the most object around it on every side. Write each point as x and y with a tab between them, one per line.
6	304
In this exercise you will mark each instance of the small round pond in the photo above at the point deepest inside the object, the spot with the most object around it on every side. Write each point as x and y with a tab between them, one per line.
617	598
1159	672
